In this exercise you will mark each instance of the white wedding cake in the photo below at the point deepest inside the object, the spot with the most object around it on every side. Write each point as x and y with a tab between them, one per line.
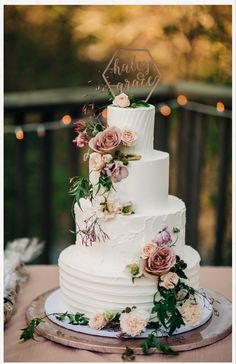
102	271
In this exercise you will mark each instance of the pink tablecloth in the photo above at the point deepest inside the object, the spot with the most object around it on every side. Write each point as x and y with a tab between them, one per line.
43	278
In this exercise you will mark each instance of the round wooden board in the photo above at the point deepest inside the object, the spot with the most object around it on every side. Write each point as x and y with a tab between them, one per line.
215	329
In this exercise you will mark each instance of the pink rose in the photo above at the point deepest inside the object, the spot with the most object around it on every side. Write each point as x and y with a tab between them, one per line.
128	137
163	237
121	100
80	125
169	280
116	170
81	140
160	262
148	250
96	162
106	140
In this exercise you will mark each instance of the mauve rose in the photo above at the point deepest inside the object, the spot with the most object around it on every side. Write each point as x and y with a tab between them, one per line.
81	140
163	237
121	100
106	140
116	170
160	262
80	125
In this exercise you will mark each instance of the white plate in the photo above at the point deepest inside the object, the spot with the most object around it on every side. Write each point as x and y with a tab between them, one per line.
52	305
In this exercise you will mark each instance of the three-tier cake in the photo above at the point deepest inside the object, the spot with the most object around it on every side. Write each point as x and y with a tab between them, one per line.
105	274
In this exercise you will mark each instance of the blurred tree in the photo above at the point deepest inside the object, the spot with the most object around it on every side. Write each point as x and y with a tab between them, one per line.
50	46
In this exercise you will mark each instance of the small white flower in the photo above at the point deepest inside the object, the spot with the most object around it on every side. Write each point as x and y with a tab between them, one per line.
191	312
169	280
107	207
127	208
107	158
134	322
121	100
97	320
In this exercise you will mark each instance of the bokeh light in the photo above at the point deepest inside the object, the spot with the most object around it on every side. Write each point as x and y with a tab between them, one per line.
220	107
182	100
165	110
66	119
19	134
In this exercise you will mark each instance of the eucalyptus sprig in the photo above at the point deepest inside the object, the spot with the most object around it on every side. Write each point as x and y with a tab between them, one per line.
81	187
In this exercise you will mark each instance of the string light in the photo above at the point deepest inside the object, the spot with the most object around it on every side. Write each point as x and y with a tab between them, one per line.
66	119
165	110
182	100
220	107
41	131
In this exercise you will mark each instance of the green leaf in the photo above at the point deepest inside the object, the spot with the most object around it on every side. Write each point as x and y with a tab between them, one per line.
28	331
62	316
165	349
153	342
176	230
128	354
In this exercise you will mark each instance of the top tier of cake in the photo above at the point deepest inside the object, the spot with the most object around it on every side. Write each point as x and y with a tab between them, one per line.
141	120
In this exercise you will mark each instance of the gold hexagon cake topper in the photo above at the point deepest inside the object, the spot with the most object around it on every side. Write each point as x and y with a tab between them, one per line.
131	69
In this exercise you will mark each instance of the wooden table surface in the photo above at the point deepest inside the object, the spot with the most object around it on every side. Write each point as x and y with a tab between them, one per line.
43	278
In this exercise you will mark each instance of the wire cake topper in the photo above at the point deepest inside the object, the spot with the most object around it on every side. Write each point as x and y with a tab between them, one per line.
131	69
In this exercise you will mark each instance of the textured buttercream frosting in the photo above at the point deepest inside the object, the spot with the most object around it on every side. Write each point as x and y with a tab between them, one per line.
96	278
88	287
141	120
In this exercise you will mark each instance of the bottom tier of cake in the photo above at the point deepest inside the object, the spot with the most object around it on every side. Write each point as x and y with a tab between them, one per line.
86	289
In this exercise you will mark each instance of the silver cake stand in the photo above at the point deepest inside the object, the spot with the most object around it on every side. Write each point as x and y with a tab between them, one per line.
216	328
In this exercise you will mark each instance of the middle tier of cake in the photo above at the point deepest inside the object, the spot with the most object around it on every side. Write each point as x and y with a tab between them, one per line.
127	234
147	184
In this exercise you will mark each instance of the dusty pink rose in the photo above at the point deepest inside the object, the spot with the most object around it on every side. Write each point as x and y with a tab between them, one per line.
106	140
81	140
163	237
121	100
128	137
148	250
96	161
169	280
116	170
160	262
80	125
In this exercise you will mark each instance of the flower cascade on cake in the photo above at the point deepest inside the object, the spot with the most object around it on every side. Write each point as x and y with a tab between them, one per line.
105	158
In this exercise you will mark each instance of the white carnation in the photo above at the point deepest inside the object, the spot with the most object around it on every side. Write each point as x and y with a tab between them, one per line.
134	322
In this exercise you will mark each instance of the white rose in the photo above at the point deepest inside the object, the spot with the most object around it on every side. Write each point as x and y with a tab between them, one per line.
129	137
96	161
191	312
121	100
97	321
107	158
148	249
169	280
134	322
